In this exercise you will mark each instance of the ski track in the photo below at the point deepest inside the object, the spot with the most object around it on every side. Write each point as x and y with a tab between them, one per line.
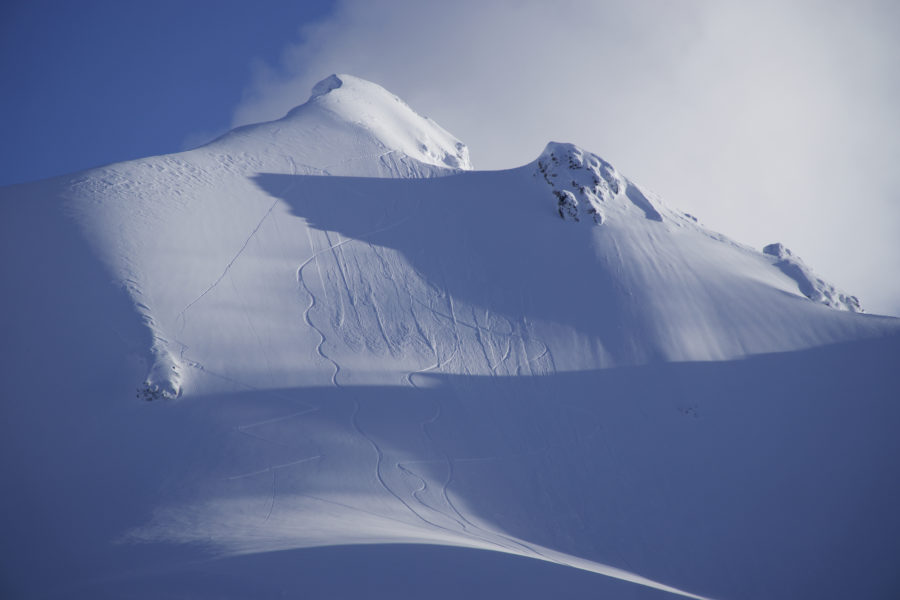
181	315
379	454
493	363
338	254
310	306
424	426
528	549
380	478
424	335
274	494
312	298
276	467
249	320
278	419
465	524
319	267
354	508
480	330
436	365
345	161
471	529
480	339
244	429
274	470
379	319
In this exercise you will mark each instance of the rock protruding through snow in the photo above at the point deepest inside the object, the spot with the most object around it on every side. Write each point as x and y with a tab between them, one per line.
810	285
332	82
586	186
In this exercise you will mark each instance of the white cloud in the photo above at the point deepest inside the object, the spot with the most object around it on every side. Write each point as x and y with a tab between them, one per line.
771	121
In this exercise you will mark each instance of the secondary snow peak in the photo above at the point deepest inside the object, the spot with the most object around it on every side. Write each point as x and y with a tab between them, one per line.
586	186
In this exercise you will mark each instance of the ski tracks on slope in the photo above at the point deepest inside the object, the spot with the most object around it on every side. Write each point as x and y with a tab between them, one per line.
451	511
301	281
379	453
181	317
252	234
312	303
463	525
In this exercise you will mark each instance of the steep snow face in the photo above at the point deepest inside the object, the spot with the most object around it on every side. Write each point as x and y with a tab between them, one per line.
544	361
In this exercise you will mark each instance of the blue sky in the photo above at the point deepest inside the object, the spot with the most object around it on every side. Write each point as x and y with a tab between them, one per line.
99	81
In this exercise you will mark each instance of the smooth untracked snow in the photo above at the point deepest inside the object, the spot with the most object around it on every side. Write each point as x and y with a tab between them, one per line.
349	338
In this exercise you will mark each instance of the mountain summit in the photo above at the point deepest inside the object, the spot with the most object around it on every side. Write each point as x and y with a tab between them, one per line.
350	126
389	120
348	337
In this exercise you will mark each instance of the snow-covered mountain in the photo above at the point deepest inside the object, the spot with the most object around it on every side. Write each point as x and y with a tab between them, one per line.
347	336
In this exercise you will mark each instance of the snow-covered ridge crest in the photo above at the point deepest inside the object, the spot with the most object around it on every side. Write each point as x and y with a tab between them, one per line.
810	285
586	187
390	120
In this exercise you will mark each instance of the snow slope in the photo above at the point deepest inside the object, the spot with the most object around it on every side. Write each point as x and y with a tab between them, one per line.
348	337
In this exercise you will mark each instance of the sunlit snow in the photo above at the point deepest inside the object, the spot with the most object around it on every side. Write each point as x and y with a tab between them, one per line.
328	330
